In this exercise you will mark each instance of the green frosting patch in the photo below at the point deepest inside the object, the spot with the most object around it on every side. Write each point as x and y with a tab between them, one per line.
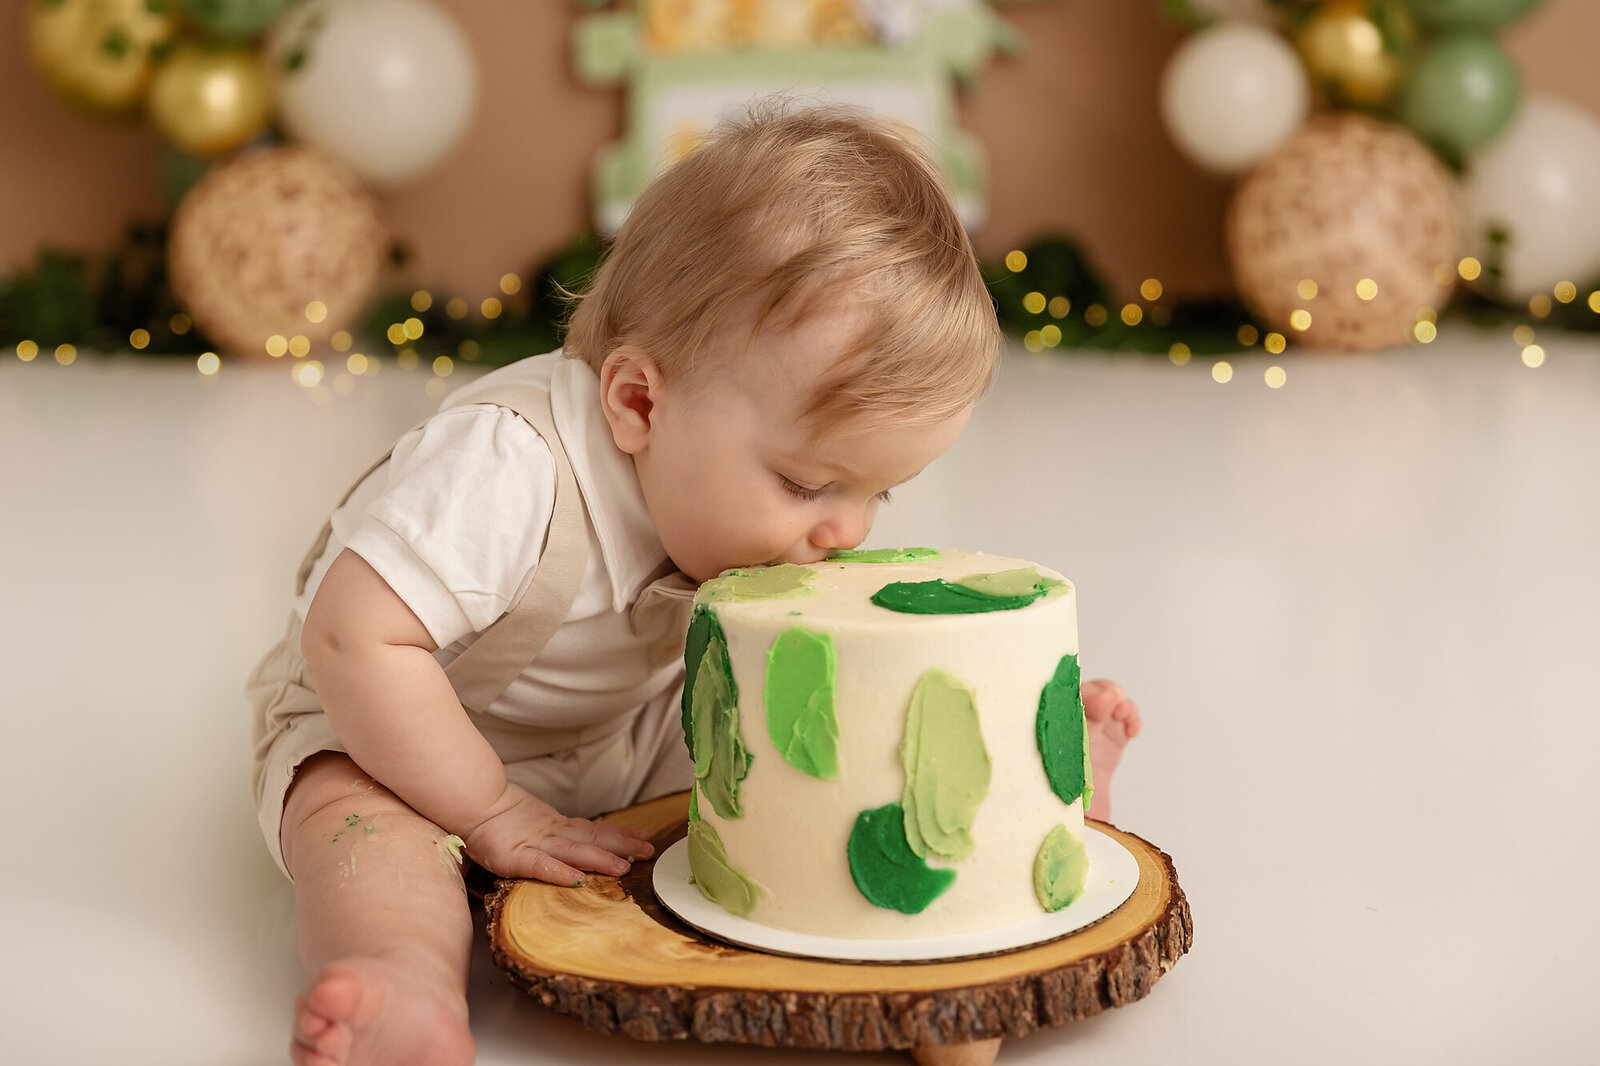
799	696
1006	590
720	758
718	879
882	555
946	764
785	581
1059	730
703	628
886	870
1023	581
1060	869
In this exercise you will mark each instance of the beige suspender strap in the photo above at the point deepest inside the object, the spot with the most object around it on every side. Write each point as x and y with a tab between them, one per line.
501	652
321	544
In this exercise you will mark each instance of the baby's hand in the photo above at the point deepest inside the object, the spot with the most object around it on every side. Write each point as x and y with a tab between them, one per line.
526	837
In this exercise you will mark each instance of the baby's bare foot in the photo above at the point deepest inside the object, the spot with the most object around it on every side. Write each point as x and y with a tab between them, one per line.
371	1012
1113	720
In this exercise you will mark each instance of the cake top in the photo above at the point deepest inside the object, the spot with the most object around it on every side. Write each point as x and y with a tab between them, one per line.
883	586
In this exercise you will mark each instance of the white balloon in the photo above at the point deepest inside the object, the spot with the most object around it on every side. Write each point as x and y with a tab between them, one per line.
1232	93
387	87
1540	182
1254	10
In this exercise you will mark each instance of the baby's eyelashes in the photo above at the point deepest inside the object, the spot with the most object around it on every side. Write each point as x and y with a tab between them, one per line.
794	488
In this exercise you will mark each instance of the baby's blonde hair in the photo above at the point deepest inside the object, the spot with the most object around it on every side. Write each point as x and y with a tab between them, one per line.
789	212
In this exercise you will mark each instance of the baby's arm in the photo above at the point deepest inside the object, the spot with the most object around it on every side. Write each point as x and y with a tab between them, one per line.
392	707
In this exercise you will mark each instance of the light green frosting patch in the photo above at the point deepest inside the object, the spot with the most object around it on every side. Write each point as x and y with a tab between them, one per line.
782	582
946	764
1023	581
718	879
1059	731
799	696
1060	869
721	760
882	555
887	872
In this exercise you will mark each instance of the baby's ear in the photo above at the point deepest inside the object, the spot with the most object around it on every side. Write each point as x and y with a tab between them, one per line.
629	381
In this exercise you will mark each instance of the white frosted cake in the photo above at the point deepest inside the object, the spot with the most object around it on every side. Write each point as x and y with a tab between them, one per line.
887	744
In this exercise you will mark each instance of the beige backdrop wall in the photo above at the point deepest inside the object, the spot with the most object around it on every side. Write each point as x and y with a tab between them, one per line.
1074	142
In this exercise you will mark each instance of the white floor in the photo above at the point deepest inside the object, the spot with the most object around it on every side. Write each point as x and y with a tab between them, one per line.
1359	611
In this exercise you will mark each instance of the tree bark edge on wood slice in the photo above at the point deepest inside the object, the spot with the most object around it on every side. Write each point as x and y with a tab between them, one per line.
654	978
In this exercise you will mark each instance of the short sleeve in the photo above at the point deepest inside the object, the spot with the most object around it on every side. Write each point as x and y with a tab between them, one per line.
458	529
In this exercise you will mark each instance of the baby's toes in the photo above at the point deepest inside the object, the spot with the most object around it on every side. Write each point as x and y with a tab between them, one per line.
1100	698
1126	712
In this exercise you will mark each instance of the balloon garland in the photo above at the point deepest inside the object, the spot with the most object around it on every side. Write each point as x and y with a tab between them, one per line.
1336	116
1288	96
381	90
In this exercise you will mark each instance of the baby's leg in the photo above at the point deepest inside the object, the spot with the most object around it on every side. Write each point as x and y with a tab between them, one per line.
384	926
1112	720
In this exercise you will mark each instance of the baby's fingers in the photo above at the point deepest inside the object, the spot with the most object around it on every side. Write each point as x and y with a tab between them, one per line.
586	856
528	861
632	844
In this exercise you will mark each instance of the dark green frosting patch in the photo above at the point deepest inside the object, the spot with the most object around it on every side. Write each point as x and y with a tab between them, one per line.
1004	590
882	555
1060	869
721	760
799	697
946	765
781	582
887	872
718	879
703	628
1059	730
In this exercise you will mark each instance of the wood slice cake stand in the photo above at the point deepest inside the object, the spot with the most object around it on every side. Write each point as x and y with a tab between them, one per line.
610	955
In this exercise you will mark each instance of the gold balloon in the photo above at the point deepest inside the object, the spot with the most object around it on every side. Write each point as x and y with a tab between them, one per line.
265	236
1349	55
208	100
98	53
1345	237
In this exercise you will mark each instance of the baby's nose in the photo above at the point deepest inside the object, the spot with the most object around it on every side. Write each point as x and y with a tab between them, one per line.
844	529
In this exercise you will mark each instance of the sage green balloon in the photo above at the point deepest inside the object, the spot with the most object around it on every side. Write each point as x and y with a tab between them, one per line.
1485	14
1461	92
235	20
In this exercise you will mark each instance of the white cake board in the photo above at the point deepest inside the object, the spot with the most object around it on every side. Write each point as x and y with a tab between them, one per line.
1113	875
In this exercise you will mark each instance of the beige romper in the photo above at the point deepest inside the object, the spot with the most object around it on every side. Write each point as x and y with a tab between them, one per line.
582	772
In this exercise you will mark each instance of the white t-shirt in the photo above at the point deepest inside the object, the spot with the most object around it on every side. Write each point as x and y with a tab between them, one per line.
455	521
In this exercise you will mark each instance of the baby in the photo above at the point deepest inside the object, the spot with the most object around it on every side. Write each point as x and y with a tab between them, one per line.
485	648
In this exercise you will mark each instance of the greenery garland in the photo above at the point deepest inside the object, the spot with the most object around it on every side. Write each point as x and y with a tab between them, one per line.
1048	294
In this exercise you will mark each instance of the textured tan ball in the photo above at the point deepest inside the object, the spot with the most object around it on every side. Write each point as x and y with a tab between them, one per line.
278	242
1353	223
